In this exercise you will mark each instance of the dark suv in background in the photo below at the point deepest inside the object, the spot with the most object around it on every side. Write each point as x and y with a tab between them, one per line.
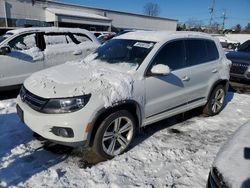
240	69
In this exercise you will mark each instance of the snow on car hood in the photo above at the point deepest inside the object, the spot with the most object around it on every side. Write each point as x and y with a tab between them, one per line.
111	82
233	160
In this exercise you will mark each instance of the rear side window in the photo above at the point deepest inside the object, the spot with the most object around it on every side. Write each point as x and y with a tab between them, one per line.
172	54
57	39
201	51
212	52
81	38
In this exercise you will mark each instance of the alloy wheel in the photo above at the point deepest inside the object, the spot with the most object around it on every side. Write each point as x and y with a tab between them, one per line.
218	100
117	136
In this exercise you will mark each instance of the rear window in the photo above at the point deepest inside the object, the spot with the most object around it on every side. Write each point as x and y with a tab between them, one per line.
212	52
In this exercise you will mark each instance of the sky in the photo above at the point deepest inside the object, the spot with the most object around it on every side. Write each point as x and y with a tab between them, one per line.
237	11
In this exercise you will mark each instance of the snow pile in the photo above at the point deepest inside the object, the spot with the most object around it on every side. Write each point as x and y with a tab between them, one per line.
35	53
112	83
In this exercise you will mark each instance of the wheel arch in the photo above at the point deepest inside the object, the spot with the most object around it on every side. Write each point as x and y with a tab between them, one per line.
131	106
223	82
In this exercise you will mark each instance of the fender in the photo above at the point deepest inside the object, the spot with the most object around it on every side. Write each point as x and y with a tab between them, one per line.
132	106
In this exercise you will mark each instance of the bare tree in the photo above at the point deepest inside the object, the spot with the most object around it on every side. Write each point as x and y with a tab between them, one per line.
151	9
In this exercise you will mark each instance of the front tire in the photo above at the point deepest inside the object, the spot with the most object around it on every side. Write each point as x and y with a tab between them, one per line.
215	102
114	134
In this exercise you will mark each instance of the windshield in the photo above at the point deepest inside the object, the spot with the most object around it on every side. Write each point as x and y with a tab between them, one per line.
245	47
5	36
118	51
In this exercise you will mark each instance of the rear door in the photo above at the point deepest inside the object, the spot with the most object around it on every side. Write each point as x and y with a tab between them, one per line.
202	59
25	58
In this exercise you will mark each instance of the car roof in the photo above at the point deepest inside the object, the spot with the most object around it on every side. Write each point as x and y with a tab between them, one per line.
48	30
157	36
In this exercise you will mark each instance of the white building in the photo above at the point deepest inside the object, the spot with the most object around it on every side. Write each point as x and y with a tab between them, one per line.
25	13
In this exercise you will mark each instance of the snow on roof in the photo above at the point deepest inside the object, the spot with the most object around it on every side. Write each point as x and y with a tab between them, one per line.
49	30
157	36
76	13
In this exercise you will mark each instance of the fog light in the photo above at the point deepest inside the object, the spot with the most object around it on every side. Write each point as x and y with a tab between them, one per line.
63	132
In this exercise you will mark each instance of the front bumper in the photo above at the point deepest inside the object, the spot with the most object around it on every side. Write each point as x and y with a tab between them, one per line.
42	124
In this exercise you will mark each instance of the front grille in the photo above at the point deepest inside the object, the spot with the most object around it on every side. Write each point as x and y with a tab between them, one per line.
238	68
33	101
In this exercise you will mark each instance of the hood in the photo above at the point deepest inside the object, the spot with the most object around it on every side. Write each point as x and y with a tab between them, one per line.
238	56
233	160
110	82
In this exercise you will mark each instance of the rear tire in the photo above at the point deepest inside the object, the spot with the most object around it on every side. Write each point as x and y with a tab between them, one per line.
114	134
215	102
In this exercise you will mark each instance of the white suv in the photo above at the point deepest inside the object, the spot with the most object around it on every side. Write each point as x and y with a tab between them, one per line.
132	81
27	50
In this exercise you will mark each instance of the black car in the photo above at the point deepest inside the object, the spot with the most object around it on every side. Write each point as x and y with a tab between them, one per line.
240	69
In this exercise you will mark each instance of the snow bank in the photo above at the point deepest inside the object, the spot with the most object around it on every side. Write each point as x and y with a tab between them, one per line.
171	153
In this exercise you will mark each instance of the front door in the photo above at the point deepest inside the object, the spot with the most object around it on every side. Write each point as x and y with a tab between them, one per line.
168	93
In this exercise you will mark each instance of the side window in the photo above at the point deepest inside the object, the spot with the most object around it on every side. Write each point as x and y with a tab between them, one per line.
196	51
212	52
23	42
81	38
172	54
57	39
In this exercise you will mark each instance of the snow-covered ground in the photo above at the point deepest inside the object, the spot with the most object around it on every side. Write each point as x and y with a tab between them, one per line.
171	153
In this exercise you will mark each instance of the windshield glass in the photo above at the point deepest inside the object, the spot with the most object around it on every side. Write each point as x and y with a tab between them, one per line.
245	47
5	36
119	51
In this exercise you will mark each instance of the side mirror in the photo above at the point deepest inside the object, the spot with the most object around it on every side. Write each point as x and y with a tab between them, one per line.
160	69
5	50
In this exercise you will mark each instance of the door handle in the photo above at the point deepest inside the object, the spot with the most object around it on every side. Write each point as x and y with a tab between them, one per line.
214	70
185	78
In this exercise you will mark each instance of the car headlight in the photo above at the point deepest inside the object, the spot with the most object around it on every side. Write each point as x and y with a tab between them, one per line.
65	105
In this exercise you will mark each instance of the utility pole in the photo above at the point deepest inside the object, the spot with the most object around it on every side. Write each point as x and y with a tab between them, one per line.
224	17
5	14
211	12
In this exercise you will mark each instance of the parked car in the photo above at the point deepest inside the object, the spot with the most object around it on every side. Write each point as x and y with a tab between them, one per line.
227	42
99	33
105	38
27	50
131	81
231	165
240	70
